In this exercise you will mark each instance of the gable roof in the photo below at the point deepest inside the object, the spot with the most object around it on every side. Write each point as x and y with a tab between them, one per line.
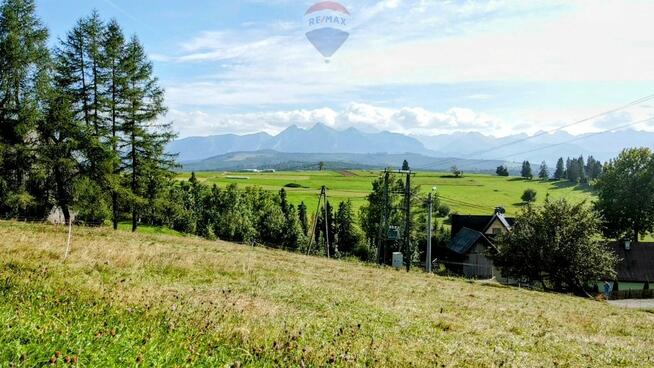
500	217
465	239
477	222
635	264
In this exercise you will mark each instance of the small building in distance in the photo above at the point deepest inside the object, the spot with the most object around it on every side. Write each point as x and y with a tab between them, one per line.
471	245
635	265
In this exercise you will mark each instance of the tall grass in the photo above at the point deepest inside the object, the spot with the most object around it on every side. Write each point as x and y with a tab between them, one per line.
124	299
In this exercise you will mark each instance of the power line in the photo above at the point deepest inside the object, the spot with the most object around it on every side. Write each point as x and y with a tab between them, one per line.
461	203
586	136
630	104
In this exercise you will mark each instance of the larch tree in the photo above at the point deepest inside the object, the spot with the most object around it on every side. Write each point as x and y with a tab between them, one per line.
60	136
114	92
143	140
24	59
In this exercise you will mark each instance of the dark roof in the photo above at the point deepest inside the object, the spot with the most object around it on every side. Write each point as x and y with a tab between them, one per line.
635	264
465	239
475	222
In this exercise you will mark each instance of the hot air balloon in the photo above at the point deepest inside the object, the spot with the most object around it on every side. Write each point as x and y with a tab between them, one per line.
327	23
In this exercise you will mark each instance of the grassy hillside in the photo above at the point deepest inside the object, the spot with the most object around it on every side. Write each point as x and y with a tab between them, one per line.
122	299
481	193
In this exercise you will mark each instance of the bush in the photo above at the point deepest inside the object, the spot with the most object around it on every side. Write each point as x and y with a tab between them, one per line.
443	210
528	196
364	252
91	203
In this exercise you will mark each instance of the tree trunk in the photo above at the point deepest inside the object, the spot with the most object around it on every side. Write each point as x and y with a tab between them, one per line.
114	170
134	182
63	199
114	209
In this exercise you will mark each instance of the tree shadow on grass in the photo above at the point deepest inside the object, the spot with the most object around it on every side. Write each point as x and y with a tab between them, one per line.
564	184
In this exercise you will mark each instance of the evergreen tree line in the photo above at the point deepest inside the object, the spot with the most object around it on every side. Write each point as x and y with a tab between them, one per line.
255	216
576	170
80	123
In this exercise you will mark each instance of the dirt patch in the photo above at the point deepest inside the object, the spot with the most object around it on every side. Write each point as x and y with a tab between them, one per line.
347	173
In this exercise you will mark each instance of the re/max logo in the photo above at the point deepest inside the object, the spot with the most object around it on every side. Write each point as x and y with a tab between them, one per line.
326	19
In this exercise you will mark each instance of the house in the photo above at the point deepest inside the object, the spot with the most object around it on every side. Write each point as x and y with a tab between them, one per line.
635	263
471	245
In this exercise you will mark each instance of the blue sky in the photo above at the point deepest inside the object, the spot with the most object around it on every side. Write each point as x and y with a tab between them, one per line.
417	67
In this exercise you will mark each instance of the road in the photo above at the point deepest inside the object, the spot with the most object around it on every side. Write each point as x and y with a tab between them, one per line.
633	303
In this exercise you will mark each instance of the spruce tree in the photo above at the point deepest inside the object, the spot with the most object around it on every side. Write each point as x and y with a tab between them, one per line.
560	169
24	59
526	170
304	221
581	170
347	236
283	202
544	172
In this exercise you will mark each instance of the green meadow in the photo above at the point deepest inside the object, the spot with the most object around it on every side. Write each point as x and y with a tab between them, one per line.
470	194
150	300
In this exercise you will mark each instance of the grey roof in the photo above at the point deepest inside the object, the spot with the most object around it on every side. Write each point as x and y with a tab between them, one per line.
502	219
465	239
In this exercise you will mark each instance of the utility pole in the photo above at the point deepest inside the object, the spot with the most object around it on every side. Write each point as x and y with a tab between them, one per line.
407	221
321	198
315	223
323	193
382	232
430	203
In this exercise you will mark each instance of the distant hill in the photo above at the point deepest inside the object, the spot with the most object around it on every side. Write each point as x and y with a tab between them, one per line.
475	147
270	159
197	148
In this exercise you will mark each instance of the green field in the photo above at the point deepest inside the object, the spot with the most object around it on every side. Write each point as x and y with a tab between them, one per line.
471	194
123	299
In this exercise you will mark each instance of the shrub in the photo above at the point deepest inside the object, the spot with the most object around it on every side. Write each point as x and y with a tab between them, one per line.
443	210
528	196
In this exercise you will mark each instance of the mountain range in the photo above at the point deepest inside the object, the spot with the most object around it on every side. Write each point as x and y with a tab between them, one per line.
475	150
270	159
319	139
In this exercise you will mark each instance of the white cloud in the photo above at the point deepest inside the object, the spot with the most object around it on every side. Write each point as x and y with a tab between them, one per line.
408	120
396	43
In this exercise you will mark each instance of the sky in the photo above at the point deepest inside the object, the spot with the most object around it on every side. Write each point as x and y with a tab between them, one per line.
418	67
